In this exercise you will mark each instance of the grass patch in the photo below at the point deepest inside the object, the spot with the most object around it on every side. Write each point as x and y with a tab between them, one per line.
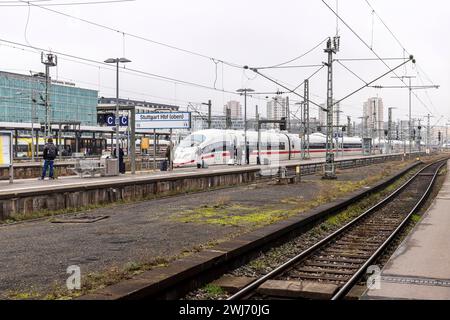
416	218
213	290
224	213
20	217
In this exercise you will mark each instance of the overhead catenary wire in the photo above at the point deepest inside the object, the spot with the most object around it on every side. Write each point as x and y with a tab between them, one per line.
371	49
296	58
290	90
368	59
310	77
404	49
126	70
292	67
105	27
391	70
351	71
63	4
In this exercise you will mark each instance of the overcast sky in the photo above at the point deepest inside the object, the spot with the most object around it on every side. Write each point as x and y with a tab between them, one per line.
256	33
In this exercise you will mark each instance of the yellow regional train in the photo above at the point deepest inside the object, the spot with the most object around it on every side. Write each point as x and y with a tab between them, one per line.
24	147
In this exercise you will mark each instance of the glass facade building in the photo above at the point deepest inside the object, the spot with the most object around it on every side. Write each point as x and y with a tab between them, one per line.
67	102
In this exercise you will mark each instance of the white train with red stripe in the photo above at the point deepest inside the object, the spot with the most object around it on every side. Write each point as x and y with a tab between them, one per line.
214	146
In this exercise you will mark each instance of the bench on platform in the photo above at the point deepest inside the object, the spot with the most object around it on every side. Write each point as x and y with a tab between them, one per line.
89	167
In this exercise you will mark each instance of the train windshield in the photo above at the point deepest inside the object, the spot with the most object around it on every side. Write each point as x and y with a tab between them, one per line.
192	140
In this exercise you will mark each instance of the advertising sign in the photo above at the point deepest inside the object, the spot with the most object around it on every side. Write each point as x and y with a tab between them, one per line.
163	120
6	152
5	149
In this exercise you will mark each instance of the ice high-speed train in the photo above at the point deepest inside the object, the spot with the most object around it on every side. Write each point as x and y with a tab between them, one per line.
215	146
219	146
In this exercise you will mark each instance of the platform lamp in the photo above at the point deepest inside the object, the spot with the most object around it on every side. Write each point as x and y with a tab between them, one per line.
244	92
117	120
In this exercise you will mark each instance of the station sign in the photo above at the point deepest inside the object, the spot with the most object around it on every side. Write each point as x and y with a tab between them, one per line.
163	120
110	121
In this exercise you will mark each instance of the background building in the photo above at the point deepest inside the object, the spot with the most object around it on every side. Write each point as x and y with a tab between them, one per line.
276	109
141	106
373	109
235	109
337	113
67	102
200	122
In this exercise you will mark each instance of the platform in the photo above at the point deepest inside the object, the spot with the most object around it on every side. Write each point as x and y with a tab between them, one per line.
26	196
27	185
420	268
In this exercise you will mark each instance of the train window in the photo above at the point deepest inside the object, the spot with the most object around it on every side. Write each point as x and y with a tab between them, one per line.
317	145
282	146
192	140
351	145
22	148
214	147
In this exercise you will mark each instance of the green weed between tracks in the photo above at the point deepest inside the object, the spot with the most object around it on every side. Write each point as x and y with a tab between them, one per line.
225	213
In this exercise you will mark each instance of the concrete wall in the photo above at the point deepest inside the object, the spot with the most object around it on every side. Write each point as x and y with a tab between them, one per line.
14	206
34	170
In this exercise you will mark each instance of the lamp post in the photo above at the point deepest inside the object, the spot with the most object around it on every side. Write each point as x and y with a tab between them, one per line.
117	61
389	133
33	118
244	91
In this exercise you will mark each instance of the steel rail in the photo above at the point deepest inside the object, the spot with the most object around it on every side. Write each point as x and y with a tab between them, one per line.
280	269
352	281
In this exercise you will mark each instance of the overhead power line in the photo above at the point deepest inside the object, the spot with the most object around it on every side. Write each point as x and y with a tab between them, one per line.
102	26
373	51
296	58
26	3
126	70
283	86
404	50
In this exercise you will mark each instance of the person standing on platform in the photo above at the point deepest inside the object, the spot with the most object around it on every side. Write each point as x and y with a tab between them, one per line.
239	155
198	158
50	153
167	160
121	163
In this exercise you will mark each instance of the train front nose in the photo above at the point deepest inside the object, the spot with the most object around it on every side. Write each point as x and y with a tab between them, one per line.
184	157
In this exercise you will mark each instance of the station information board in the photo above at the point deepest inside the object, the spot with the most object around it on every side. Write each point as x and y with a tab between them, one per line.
5	149
163	120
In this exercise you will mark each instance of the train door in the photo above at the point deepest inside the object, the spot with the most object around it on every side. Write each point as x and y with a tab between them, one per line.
218	152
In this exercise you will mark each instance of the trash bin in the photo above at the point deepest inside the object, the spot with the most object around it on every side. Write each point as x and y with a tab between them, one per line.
111	167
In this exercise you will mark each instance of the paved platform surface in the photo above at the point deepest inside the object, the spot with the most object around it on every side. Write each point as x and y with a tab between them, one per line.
420	267
27	185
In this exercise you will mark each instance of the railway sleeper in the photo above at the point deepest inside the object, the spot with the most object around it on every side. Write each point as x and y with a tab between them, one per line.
339	260
331	265
322	278
346	255
324	271
297	289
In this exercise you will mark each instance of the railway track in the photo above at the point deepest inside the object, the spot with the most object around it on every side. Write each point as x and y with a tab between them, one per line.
342	258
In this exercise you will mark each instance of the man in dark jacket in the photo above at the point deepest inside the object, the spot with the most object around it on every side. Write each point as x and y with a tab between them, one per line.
121	162
50	153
